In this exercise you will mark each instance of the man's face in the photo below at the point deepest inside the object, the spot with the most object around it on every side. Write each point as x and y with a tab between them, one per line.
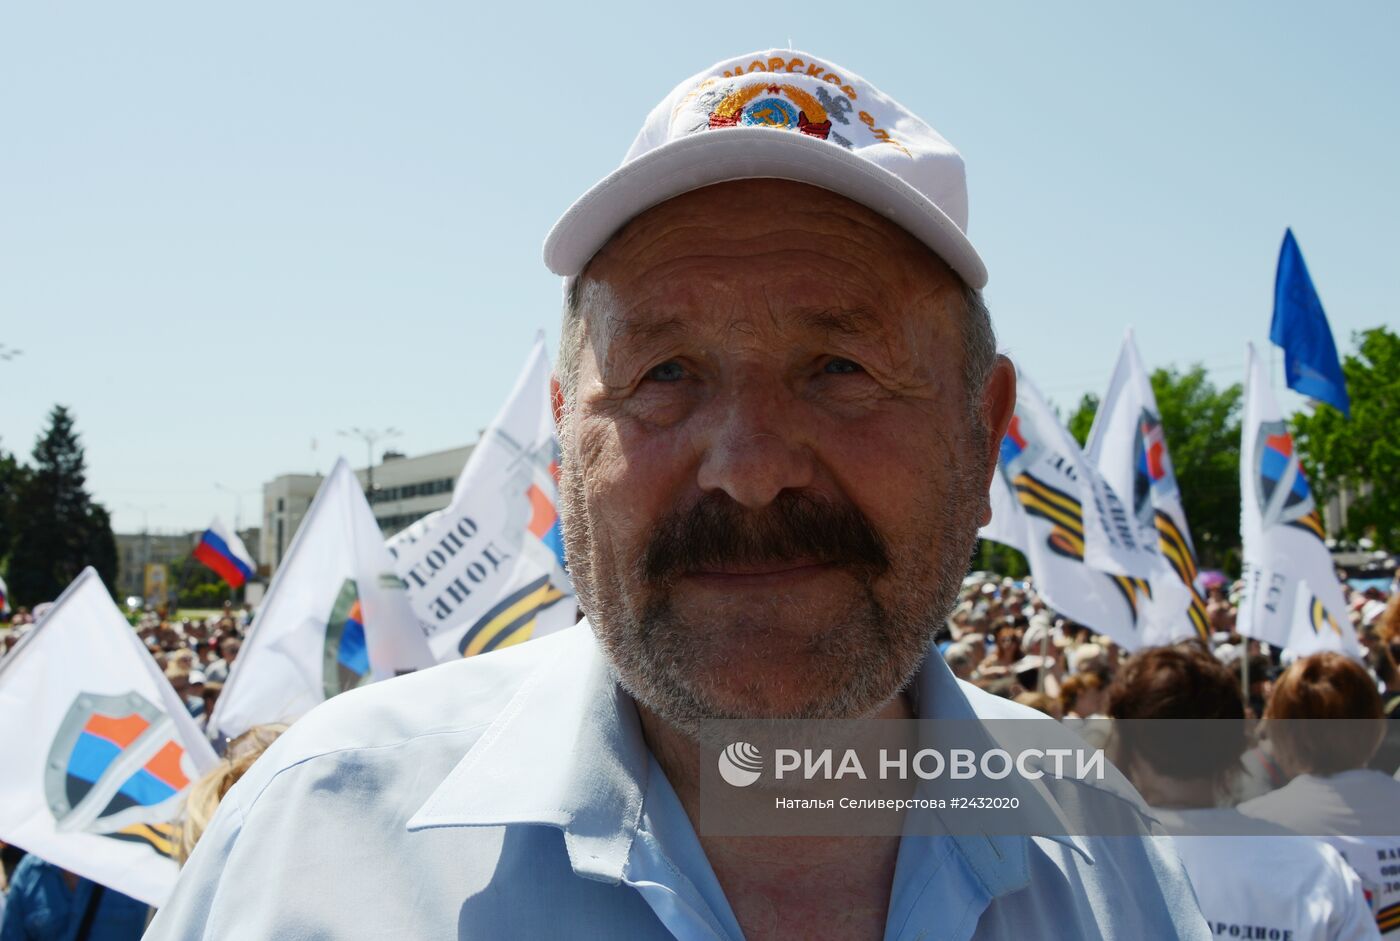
773	471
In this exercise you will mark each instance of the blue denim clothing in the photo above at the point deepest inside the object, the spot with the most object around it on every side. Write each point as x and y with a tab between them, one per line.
41	907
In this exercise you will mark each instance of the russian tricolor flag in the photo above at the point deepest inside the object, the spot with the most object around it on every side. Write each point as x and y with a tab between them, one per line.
224	552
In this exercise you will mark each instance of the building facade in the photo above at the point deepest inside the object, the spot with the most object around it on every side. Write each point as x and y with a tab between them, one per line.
405	489
285	501
137	550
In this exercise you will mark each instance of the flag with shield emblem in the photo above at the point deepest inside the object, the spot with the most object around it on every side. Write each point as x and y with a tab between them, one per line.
1128	445
99	749
487	571
1292	596
336	617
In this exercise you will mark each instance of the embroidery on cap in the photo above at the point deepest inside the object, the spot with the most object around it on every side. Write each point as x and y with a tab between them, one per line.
836	108
740	107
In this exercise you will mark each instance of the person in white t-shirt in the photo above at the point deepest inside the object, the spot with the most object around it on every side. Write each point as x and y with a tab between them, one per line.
1333	794
1252	880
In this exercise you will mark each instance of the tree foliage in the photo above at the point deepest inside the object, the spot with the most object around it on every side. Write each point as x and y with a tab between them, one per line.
1362	451
197	585
1082	418
12	475
60	529
995	557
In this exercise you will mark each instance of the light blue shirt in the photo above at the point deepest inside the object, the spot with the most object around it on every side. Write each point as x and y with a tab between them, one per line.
512	795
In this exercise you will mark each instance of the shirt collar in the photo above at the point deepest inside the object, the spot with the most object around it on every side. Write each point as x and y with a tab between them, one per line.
567	751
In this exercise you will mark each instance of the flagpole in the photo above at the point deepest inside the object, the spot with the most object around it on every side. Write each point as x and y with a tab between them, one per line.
1040	674
1244	674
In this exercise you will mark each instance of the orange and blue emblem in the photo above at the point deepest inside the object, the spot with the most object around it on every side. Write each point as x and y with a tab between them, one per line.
1013	445
115	763
1284	495
511	620
1152	468
545	524
346	660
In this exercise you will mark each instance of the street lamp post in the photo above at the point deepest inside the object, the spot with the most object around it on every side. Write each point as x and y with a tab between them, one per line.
237	504
145	538
369	436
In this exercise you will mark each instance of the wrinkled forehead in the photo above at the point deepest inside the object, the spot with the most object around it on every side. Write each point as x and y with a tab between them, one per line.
788	253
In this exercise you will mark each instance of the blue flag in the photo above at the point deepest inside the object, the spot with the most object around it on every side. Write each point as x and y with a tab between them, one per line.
1300	327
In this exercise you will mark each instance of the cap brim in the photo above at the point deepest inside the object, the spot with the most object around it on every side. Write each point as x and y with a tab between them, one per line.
747	153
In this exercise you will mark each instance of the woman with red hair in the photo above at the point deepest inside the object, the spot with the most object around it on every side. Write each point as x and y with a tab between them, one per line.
1325	721
1178	733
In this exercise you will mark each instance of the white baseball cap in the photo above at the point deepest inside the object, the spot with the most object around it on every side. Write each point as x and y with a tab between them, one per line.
783	115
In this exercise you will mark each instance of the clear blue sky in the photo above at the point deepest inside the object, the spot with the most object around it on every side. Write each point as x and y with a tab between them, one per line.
229	229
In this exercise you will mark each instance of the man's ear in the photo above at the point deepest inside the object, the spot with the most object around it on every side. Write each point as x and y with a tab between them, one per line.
998	407
556	401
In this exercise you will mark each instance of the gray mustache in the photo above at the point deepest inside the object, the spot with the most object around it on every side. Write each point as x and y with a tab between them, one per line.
716	531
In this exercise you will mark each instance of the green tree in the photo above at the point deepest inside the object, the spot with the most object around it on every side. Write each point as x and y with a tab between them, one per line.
1082	418
197	585
1004	560
12	474
1365	448
58	529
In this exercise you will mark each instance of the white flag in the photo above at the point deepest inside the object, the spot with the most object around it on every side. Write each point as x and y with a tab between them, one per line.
488	571
335	617
1129	447
1292	597
4	598
99	749
1045	502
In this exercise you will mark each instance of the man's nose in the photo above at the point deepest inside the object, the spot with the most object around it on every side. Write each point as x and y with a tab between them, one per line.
755	447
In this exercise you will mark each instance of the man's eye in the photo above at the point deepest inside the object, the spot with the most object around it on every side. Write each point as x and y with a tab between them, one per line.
838	366
669	371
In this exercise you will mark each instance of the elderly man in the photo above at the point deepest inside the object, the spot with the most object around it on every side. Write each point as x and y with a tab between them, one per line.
780	405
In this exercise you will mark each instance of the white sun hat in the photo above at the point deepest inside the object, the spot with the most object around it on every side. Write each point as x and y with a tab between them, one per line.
783	115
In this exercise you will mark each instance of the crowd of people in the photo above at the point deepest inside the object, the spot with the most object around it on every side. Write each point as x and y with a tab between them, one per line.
1309	794
39	900
195	652
1003	638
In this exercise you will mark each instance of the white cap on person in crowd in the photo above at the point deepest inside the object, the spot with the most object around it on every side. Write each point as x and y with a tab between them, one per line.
1032	661
1038	630
1084	656
1228	653
786	115
1371	612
